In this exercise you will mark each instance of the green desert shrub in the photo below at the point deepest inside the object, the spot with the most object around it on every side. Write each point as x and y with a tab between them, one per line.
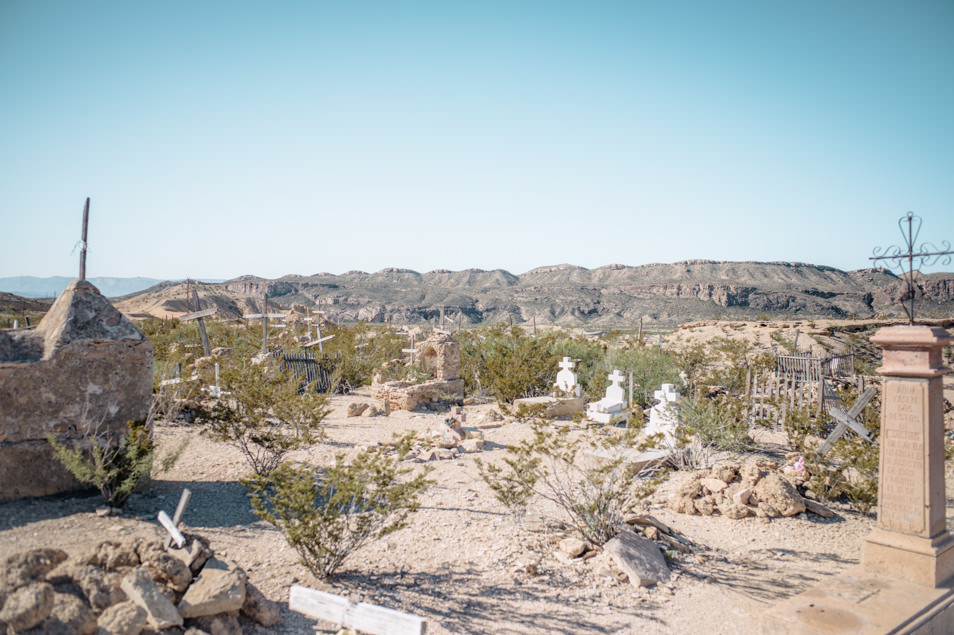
117	467
265	416
326	515
507	364
583	473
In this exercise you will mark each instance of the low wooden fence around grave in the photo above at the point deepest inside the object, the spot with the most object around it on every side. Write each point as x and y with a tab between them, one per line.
798	382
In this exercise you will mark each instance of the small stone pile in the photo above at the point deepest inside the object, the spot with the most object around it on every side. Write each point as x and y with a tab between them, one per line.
128	588
737	491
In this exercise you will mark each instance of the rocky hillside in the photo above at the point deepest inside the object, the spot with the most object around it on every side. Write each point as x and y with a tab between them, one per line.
614	295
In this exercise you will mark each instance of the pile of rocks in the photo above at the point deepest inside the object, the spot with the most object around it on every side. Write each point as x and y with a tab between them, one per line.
737	491
128	588
365	409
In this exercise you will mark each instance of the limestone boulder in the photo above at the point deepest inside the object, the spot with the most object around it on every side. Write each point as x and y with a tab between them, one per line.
219	588
27	566
125	618
638	558
28	606
778	494
70	616
260	609
141	589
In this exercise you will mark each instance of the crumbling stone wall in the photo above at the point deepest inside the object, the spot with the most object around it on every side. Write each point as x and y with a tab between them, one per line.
439	355
84	367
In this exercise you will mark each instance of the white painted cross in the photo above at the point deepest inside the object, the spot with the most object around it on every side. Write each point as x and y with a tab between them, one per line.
615	391
172	525
566	378
358	616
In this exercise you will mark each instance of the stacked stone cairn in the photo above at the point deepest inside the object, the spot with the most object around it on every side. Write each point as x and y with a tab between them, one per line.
136	586
736	491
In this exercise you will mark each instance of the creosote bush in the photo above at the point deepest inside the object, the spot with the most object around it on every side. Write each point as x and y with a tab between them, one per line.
265	416
326	515
561	465
117	467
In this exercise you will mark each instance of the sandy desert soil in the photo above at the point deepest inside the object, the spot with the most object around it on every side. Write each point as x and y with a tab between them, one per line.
463	563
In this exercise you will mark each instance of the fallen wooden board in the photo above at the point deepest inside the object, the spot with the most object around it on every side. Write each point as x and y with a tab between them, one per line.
376	620
318	341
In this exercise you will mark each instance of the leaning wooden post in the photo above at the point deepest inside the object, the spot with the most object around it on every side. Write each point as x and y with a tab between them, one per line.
82	271
911	540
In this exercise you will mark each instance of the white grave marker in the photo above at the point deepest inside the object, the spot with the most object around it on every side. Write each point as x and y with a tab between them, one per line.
612	404
566	379
662	418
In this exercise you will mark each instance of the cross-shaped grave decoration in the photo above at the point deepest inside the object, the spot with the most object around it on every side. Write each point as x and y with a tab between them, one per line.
172	524
264	315
349	613
848	419
925	254
199	316
411	351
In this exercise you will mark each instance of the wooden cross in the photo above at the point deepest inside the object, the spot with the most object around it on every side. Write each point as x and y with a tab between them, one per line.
847	420
172	524
199	315
264	317
358	616
82	271
925	257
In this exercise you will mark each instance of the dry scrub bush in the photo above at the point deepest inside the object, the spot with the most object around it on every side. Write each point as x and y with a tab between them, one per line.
265	416
326	515
558	465
115	465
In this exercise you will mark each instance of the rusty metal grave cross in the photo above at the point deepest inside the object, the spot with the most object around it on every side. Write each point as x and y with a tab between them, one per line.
847	419
925	254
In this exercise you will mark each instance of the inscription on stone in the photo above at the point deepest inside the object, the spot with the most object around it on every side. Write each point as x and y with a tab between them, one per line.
903	503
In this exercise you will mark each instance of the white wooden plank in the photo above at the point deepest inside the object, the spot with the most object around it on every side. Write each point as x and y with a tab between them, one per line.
170	526
318	341
198	314
375	620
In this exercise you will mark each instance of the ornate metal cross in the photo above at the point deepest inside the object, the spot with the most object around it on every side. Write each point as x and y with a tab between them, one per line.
926	254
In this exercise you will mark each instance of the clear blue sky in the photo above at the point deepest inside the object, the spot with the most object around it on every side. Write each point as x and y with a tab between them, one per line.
223	138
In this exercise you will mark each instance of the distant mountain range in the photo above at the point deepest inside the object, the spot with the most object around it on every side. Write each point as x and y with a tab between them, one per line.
614	295
610	296
33	287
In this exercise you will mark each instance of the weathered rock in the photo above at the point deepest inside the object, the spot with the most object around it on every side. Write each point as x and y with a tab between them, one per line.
220	587
705	505
28	606
750	474
726	472
817	508
83	358
714	485
27	566
444	454
355	409
70	616
682	504
168	569
100	589
112	555
734	510
779	494
692	487
472	445
449	438
221	351
125	618
259	608
143	590
638	557
742	496
194	554
371	411
572	546
220	624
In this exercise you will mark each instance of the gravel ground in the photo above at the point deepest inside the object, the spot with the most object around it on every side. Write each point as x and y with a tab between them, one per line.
463	562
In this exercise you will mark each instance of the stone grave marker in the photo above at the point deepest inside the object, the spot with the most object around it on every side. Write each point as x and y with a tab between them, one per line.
662	419
613	404
566	379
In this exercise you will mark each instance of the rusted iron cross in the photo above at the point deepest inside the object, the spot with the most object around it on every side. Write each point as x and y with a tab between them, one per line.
926	254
